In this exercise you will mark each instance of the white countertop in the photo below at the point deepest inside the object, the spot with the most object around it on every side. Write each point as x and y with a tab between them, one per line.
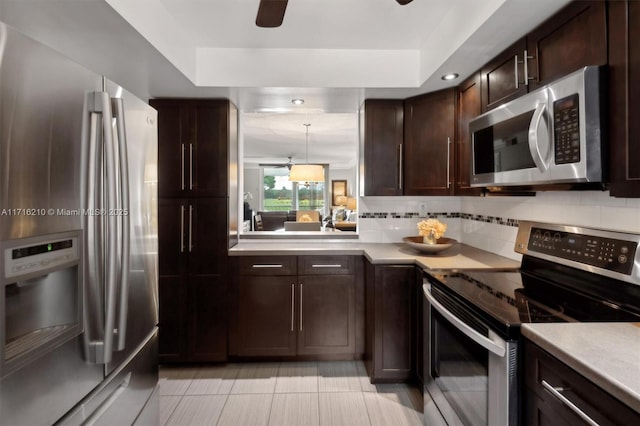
460	256
608	354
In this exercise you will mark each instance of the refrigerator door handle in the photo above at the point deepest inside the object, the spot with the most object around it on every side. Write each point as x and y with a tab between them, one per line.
94	296
122	214
101	351
112	227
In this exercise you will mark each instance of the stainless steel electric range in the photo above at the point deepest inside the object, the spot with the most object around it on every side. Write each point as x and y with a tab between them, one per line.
472	319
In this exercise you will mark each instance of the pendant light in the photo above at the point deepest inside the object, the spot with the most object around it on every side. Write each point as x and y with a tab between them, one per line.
306	172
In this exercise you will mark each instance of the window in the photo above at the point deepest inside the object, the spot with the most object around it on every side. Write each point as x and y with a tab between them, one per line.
281	195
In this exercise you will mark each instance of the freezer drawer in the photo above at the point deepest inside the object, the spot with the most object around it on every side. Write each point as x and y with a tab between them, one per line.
123	395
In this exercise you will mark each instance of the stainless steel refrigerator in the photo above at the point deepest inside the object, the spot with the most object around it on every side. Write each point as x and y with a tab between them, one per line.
78	243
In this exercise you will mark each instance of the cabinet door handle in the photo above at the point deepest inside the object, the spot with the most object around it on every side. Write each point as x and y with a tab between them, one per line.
190	228
515	62
274	265
557	392
526	68
301	287
181	229
293	298
182	166
400	166
190	166
336	265
448	163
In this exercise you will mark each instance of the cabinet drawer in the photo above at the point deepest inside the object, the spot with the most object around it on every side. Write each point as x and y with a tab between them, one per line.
268	265
325	265
596	403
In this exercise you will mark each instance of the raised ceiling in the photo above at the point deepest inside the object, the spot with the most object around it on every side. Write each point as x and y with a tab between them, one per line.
332	53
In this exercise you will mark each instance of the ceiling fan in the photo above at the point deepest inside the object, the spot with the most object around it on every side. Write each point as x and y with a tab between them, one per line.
288	164
271	12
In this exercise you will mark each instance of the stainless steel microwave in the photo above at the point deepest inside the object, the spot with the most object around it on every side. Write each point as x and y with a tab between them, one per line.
552	135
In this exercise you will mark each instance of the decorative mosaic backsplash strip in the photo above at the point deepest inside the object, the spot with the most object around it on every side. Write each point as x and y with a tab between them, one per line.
444	215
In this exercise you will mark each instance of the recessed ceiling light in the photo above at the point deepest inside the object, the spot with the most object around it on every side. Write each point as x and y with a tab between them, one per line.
297	101
450	76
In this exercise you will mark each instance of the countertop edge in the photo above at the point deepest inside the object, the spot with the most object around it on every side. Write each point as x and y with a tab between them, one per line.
608	383
461	256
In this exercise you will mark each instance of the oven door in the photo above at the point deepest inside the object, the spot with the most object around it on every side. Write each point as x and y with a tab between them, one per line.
470	372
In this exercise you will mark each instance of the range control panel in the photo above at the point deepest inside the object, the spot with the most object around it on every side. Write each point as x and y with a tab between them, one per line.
607	253
566	129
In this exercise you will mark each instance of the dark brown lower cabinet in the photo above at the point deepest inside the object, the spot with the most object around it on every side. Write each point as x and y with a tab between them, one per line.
390	317
279	312
327	322
193	279
541	407
266	316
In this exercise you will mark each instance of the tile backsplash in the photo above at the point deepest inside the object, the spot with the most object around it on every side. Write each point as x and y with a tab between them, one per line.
490	223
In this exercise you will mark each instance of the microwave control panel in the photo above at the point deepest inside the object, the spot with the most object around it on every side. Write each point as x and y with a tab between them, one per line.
566	130
607	253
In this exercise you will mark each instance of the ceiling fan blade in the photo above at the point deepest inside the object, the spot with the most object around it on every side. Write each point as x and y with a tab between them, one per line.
271	13
403	2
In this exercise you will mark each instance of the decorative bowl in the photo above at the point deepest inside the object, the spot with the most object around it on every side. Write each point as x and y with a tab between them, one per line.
417	244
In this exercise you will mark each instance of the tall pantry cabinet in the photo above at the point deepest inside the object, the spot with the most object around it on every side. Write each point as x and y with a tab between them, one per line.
197	181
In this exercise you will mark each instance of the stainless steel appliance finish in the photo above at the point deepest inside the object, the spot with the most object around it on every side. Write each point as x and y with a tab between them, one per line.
552	135
567	274
79	157
470	371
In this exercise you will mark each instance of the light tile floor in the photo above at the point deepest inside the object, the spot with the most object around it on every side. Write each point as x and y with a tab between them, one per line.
331	393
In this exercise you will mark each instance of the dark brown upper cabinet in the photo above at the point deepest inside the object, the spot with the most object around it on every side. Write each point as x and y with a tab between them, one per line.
574	37
624	80
194	139
468	108
381	146
429	134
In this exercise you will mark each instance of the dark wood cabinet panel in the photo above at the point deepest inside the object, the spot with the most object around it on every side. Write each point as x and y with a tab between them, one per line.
210	158
390	322
192	253
173	320
419	330
429	130
573	38
500	83
624	86
207	234
266	316
173	137
382	141
208	318
468	107
327	315
195	142
542	407
171	236
279	312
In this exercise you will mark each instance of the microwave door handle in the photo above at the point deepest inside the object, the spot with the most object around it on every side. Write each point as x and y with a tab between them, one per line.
536	138
488	344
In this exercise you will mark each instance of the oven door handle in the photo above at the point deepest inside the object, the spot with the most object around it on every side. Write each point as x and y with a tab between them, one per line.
496	348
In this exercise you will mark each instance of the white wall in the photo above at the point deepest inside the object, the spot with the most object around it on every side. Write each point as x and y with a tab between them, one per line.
488	222
253	185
